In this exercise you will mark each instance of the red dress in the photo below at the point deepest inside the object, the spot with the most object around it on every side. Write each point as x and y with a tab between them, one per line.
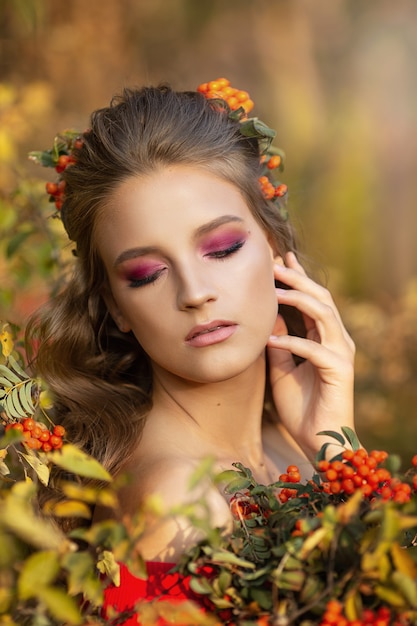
160	585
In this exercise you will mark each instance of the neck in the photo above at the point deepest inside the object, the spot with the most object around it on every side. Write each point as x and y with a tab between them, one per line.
225	415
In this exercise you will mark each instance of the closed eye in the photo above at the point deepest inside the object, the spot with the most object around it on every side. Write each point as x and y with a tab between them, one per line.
225	252
146	280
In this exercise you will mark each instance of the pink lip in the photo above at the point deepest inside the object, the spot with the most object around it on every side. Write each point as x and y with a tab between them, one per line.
209	334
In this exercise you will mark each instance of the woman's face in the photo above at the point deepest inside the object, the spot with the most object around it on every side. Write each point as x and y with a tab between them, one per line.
190	272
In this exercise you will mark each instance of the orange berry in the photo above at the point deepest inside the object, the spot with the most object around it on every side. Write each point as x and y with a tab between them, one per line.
322	466
233	102
386	493
283	478
36	431
55	441
348	455
33	444
335	487
228	91
241	96
51	188
331	474
357	480
28	423
383	474
294	477
223	82
371	462
415	482
366	490
363	470
248	105
292	468
62	163
202	88
44	436
274	161
357	460
373	479
59	430
401	497
16	426
214	85
348	486
46	446
347	471
337	466
281	190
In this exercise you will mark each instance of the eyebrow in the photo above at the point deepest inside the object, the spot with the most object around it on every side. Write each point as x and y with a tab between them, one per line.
133	253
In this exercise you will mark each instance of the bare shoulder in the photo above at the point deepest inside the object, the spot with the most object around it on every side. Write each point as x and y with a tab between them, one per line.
167	482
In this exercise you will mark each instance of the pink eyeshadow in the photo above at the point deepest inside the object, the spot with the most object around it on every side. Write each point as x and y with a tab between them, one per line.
221	242
141	271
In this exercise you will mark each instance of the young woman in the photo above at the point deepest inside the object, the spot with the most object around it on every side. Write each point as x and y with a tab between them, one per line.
168	346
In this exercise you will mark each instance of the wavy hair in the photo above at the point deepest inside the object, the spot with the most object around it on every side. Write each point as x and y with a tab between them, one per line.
100	377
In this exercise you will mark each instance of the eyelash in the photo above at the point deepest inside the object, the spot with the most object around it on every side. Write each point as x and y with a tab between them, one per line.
222	254
218	254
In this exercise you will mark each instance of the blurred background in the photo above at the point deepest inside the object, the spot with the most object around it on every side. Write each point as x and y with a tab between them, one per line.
336	79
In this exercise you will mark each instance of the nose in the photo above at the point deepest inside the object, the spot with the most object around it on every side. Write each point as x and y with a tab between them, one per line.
195	289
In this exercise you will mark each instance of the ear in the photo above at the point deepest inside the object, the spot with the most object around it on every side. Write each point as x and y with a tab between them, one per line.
115	312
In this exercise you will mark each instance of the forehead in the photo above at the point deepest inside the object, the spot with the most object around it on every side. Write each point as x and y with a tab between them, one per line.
169	202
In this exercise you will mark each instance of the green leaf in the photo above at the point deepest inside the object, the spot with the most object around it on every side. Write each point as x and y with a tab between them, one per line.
16	367
25	397
75	460
407	587
12	405
334	435
229	557
9	375
18	517
201	586
16	241
237	484
39	569
61	606
351	437
107	565
41	468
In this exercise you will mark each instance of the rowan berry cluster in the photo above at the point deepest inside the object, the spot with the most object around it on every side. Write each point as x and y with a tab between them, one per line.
65	158
364	471
220	88
37	436
358	470
269	191
383	616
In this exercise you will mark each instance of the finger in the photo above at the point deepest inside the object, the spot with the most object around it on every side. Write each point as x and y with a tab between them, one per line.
317	354
319	317
296	278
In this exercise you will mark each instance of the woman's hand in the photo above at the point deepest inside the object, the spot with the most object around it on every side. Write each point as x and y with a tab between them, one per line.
317	394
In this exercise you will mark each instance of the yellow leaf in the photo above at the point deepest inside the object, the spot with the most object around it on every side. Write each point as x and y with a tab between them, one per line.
107	565
353	606
39	569
75	460
403	561
6	340
71	508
